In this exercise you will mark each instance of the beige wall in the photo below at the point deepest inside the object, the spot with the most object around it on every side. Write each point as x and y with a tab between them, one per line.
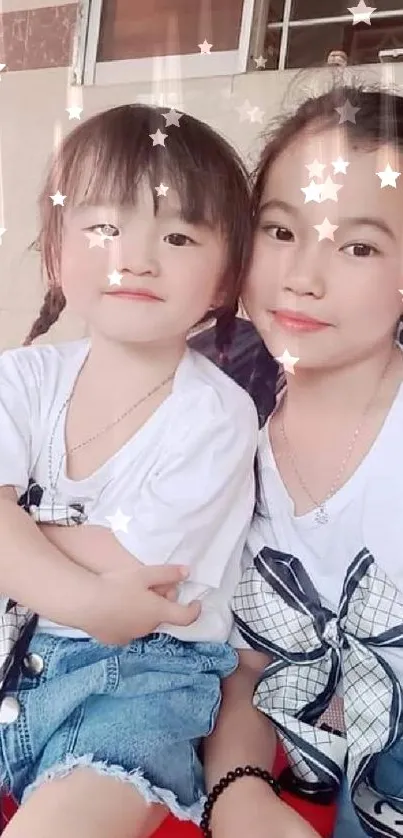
33	102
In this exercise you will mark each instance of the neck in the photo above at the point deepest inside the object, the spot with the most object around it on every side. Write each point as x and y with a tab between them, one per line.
126	367
343	389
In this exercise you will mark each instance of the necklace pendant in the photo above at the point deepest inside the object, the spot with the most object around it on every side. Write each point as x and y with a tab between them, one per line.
321	516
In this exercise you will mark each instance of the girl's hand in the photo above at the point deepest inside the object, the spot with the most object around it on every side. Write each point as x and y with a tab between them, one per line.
126	605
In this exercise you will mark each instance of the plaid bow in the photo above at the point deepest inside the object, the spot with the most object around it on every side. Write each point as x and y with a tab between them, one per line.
279	612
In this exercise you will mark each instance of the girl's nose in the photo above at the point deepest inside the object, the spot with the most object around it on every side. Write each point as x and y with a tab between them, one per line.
135	254
307	273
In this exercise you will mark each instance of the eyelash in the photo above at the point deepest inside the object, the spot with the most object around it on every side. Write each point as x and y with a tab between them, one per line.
374	250
96	227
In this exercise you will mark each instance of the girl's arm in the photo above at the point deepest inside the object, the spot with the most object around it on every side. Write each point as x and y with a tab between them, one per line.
35	573
244	736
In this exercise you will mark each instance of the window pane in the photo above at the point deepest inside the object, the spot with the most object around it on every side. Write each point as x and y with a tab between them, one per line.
144	28
307	9
272	48
309	46
276	11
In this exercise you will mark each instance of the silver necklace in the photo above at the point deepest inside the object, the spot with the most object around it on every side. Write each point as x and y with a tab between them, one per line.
321	513
54	482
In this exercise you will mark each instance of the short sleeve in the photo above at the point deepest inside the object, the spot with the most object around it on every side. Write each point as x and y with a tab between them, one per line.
196	507
16	415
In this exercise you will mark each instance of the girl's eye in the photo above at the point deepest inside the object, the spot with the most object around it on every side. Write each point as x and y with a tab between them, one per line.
107	230
280	234
360	250
178	239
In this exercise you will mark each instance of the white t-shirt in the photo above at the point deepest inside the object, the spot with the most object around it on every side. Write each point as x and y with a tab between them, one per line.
185	480
367	512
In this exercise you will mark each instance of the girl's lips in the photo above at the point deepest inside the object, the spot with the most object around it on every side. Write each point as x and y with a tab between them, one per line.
136	295
298	323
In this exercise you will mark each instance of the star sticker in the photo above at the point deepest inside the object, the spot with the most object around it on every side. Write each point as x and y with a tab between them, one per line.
260	62
2	231
361	13
161	190
115	278
74	112
330	189
315	169
172	118
388	177
401	291
158	138
313	192
256	114
118	521
2	67
58	199
205	47
97	239
326	230
244	110
347	112
340	166
288	361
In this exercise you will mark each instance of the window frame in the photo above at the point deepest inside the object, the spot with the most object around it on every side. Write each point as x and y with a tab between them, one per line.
286	24
87	71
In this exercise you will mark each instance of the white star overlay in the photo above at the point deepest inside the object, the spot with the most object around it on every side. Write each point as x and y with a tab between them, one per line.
313	192
326	230
205	47
172	118
329	190
2	231
260	62
388	177
115	278
288	361
158	138
244	110
118	521
361	13
161	190
256	114
74	112
340	166
347	112
315	169
97	239
58	199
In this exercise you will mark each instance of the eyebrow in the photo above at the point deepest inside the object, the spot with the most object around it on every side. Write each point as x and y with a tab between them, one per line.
353	221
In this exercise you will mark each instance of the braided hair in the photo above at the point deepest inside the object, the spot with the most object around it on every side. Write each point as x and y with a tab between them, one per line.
52	306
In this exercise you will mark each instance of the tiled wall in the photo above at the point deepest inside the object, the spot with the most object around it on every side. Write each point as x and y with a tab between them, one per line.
36	38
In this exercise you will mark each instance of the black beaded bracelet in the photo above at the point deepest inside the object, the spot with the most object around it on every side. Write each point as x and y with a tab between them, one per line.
246	771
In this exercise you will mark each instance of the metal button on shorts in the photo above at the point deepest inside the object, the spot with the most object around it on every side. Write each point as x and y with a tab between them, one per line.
9	710
33	664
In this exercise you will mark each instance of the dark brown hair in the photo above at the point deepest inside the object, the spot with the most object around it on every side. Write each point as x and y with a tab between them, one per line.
379	121
102	161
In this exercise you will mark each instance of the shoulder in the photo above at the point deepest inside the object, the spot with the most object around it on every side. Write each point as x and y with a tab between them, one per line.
37	366
209	390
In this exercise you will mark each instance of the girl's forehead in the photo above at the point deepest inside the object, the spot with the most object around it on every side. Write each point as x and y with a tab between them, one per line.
328	157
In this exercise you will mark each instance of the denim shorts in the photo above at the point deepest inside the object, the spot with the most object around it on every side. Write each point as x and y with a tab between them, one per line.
135	712
387	780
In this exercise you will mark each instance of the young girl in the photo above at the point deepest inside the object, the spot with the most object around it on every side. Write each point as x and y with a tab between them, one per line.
321	598
149	447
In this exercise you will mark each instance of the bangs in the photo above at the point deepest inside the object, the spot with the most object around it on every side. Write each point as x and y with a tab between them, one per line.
106	166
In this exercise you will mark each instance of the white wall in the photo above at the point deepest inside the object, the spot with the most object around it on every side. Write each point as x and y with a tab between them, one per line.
32	103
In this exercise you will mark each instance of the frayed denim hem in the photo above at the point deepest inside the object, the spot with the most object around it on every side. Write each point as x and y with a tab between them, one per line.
150	793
